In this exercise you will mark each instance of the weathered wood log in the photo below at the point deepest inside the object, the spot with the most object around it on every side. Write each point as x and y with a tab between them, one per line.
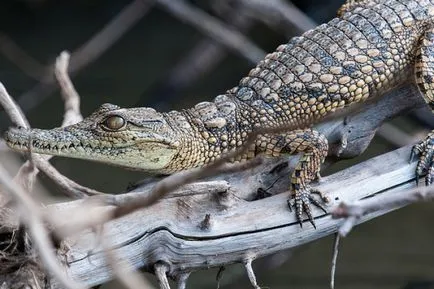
208	224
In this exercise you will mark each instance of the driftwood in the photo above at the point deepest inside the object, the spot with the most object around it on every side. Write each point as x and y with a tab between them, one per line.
219	221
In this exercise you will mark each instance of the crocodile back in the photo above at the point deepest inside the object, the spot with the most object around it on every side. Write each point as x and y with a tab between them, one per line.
367	51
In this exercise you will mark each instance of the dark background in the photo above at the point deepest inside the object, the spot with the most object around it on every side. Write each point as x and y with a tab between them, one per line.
394	251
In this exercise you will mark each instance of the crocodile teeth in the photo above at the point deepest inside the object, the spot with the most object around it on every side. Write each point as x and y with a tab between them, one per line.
80	149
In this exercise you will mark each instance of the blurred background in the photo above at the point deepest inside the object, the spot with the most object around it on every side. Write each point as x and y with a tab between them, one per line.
171	54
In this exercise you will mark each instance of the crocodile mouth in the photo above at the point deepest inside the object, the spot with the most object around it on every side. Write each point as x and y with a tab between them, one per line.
154	156
41	146
25	140
69	144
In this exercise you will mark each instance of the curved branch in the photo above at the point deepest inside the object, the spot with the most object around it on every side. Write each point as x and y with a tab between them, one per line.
178	240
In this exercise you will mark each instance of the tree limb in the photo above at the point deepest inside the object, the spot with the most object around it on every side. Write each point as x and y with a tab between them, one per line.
179	241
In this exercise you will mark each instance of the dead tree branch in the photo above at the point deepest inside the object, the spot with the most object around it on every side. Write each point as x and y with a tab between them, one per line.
70	96
181	242
353	212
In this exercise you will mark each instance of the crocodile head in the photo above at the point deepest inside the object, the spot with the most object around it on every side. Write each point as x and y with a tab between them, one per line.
135	138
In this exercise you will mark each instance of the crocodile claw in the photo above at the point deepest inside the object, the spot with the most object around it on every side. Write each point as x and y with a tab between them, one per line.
302	202
415	151
425	165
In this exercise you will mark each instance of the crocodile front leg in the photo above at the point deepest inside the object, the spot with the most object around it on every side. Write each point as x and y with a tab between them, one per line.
424	73
314	147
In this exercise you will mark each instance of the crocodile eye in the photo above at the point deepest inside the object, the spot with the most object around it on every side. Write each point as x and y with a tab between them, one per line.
114	123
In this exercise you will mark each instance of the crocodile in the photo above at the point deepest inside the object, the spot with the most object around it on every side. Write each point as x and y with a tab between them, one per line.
370	48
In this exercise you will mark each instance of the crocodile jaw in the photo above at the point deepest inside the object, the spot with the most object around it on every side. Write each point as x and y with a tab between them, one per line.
146	154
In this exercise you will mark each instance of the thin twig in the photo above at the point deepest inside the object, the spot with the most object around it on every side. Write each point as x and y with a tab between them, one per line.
251	273
68	186
32	218
219	276
182	280
26	174
353	212
13	111
334	260
70	96
214	28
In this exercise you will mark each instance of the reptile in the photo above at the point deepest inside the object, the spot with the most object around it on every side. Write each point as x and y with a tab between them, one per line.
370	48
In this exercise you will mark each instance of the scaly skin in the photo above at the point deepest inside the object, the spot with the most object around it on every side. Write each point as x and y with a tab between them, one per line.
373	47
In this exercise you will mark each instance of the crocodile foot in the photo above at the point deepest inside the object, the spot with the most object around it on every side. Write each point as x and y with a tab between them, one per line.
425	151
302	200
